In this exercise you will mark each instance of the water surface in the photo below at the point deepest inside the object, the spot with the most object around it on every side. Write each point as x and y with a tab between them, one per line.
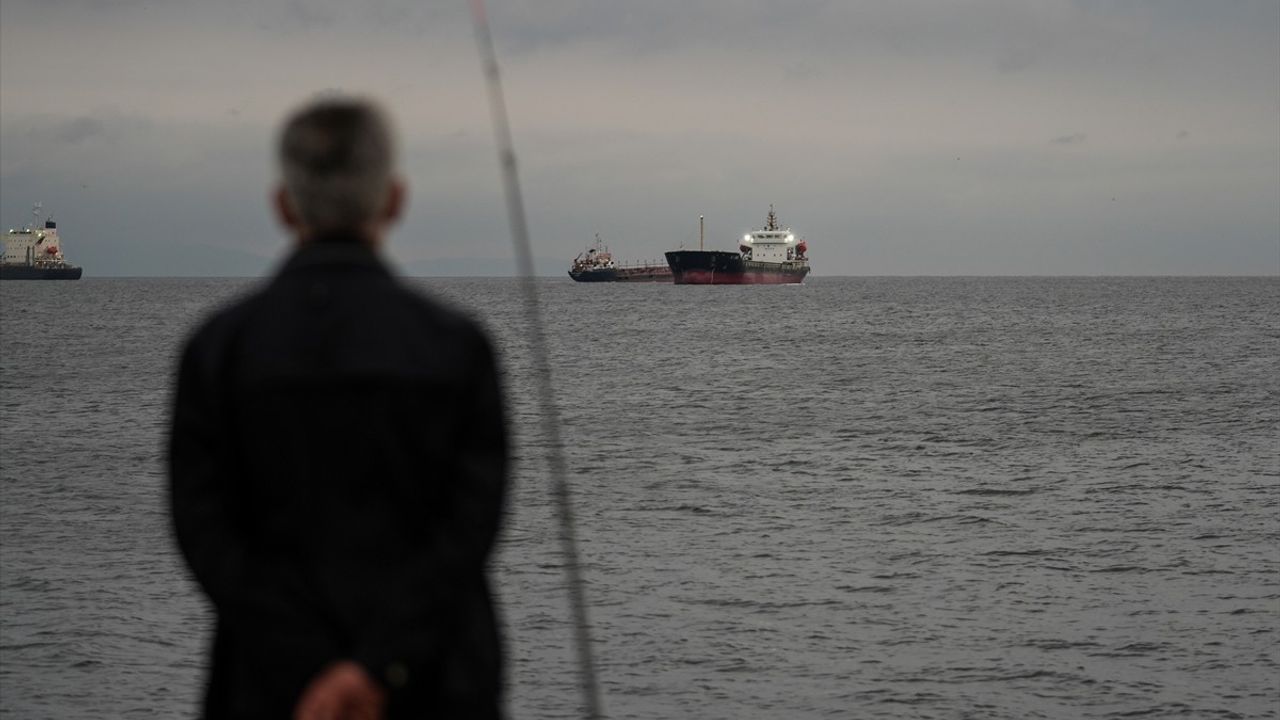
858	497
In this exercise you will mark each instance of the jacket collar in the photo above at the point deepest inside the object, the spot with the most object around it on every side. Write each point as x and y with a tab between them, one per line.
334	251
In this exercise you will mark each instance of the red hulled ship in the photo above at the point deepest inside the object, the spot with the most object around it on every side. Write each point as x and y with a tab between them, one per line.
770	256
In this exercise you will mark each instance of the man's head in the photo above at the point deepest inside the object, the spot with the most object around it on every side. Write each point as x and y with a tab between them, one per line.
337	166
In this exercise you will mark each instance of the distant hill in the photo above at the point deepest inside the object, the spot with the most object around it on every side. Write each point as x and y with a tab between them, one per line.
159	259
134	258
482	267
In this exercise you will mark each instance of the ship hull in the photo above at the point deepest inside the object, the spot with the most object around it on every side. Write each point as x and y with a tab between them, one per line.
597	275
717	267
645	273
31	272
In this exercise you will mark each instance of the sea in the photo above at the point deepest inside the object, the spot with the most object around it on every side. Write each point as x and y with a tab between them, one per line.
860	497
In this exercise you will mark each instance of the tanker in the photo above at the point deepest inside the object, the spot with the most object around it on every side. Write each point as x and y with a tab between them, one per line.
770	256
35	253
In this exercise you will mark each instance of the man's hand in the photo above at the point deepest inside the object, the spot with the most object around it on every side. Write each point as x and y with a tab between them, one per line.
342	691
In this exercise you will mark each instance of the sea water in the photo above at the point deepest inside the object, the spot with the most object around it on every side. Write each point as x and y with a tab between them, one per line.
853	498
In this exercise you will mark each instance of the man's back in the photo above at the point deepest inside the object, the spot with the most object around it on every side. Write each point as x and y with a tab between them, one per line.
338	471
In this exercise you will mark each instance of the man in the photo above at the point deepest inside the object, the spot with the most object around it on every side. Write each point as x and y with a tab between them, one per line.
337	462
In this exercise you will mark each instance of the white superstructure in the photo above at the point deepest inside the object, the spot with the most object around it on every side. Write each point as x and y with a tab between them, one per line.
773	244
596	257
33	244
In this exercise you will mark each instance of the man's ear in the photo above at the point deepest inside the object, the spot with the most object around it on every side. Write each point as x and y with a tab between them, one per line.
285	211
397	198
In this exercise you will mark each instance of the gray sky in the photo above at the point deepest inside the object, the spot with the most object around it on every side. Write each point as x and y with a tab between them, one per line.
1054	137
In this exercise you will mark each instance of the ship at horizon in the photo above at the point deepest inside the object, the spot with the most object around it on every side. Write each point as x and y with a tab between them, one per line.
596	264
34	252
769	256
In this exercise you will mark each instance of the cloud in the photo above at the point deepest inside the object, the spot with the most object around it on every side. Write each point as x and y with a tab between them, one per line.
1072	139
306	16
633	119
75	130
1015	60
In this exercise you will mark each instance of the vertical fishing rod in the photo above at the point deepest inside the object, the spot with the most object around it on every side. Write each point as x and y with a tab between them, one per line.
541	365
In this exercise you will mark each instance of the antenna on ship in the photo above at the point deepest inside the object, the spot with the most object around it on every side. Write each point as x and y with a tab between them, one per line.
771	222
700	232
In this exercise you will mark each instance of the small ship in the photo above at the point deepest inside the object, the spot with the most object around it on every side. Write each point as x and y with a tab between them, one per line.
596	264
35	253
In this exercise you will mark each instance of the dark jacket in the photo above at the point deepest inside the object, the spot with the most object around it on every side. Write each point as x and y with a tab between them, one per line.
337	466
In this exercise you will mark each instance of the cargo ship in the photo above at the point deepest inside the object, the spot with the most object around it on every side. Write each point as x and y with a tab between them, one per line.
596	264
35	253
769	256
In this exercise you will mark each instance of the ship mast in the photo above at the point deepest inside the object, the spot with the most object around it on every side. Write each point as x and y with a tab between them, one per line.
700	232
771	222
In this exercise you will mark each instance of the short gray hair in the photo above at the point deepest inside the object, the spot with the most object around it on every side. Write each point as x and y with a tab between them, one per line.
336	160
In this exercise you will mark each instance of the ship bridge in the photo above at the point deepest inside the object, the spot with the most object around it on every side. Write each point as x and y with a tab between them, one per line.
773	244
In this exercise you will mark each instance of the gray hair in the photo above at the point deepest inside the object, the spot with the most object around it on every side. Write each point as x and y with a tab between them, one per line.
336	160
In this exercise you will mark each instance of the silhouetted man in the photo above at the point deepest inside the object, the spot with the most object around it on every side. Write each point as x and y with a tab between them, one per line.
337	462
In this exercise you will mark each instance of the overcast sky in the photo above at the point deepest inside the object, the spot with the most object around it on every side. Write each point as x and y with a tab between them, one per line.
985	137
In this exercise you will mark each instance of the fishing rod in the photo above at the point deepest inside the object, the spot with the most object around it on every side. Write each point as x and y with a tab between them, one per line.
541	365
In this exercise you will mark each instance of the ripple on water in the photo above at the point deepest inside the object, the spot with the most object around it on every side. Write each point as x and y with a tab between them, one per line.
953	498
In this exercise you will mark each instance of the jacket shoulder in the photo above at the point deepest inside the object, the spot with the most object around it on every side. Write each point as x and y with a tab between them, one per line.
442	316
215	332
